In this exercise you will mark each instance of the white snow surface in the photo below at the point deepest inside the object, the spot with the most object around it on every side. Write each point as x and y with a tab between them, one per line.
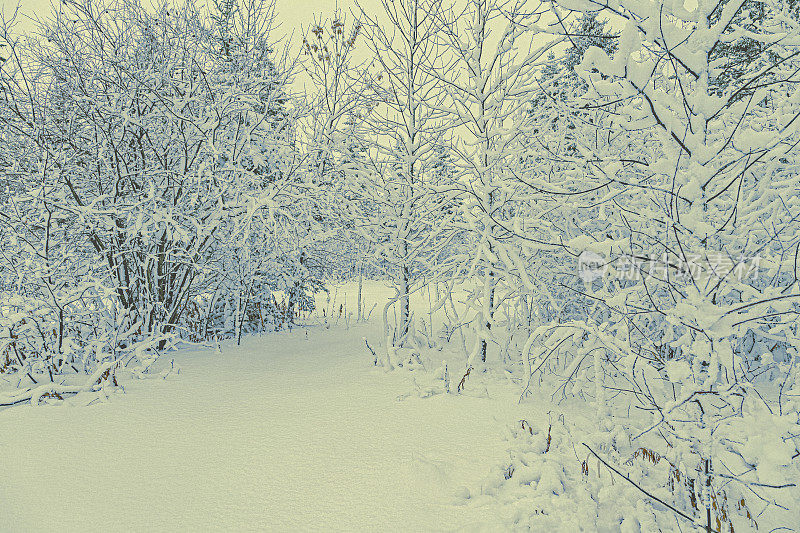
292	431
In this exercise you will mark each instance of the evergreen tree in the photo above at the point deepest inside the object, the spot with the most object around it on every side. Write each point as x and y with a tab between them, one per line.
746	53
559	76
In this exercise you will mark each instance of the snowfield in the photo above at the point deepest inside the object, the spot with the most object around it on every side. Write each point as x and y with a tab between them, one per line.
585	220
299	431
291	431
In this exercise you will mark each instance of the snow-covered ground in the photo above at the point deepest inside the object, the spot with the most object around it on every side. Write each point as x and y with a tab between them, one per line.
298	431
291	431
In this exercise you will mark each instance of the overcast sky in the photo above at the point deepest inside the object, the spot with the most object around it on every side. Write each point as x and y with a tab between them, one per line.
291	13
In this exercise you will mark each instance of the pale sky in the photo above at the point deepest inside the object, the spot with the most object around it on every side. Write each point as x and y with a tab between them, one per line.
291	13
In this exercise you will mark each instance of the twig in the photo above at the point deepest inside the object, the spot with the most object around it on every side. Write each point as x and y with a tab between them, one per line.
34	395
756	484
463	380
375	360
629	480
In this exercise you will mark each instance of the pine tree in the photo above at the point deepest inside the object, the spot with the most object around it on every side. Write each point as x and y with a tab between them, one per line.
733	59
587	31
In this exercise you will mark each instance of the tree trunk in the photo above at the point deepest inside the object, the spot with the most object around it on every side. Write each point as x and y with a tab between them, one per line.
360	314
488	310
405	308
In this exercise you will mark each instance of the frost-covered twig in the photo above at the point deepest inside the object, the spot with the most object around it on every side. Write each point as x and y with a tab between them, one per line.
35	394
374	355
648	494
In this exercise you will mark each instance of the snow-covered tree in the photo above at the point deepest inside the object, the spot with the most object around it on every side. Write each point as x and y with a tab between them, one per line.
403	126
494	51
154	157
685	193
